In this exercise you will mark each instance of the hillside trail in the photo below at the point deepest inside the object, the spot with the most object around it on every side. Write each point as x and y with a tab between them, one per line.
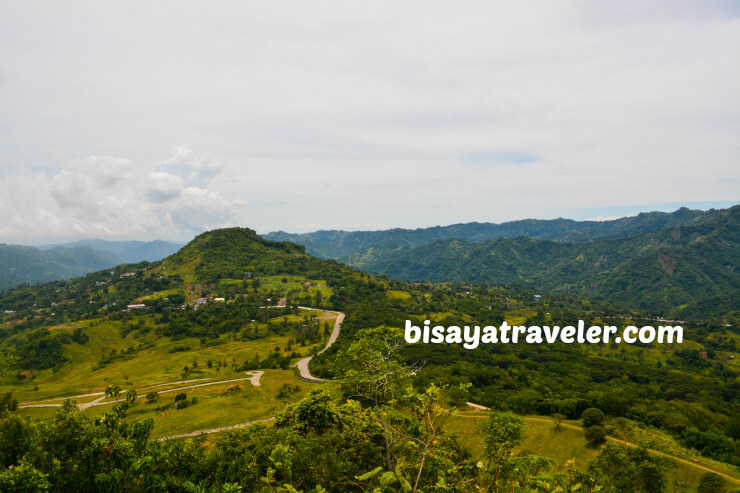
215	430
47	402
302	364
733	479
254	378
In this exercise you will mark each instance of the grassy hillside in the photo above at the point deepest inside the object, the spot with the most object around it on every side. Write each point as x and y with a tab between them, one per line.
225	306
691	270
336	244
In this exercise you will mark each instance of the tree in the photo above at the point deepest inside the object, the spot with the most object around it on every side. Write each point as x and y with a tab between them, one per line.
710	482
501	470
559	418
113	391
592	417
624	469
24	478
8	404
375	373
595	434
131	396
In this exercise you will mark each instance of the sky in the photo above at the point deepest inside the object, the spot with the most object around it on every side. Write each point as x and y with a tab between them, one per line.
145	120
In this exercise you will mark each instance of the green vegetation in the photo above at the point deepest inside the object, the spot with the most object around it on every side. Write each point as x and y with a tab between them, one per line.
228	304
688	271
333	244
22	264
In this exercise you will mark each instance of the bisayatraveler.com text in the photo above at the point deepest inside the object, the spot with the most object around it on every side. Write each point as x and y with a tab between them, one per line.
471	336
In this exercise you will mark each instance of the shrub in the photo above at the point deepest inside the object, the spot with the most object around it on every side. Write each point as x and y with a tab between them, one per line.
592	417
710	482
595	434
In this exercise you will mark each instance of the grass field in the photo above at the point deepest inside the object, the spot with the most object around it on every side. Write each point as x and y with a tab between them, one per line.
217	405
563	443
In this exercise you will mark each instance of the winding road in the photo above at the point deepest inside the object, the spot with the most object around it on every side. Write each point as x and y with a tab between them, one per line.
302	364
254	378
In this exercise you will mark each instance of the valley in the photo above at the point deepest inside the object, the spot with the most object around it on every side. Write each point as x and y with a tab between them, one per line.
236	336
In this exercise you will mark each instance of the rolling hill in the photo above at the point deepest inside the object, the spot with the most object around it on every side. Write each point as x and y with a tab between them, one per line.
22	264
691	270
226	306
127	252
335	244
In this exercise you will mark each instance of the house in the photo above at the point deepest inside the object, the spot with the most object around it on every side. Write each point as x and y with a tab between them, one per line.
537	297
136	306
127	274
219	299
201	301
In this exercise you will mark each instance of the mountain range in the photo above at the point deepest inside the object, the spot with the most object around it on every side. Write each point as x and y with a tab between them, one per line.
24	264
336	243
684	264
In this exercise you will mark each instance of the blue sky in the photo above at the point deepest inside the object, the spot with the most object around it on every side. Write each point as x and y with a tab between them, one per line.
144	120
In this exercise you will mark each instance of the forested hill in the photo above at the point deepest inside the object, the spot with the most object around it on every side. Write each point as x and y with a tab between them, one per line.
687	271
128	344
336	244
129	252
22	264
30	265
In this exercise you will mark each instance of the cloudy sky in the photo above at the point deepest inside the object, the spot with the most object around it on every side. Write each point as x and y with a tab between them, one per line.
144	120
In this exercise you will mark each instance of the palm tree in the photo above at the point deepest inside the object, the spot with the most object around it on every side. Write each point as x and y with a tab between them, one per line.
130	395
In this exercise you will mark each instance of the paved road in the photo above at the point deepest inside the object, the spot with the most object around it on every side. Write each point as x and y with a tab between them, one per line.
302	364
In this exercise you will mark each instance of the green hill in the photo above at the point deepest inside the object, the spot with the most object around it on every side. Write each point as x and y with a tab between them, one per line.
336	244
128	252
208	317
22	264
691	270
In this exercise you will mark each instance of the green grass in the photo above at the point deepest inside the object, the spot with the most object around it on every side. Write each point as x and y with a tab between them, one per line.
152	365
216	405
399	295
519	316
564	443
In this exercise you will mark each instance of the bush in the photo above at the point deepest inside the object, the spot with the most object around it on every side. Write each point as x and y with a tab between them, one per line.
592	417
710	482
595	434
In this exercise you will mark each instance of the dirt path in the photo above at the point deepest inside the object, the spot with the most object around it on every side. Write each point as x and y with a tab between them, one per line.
44	403
302	364
214	430
733	479
254	378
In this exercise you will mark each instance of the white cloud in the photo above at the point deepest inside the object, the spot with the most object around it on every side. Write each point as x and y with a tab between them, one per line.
103	196
406	114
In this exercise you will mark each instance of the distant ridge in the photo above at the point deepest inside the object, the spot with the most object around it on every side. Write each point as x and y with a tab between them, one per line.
336	244
29	265
24	264
692	270
127	251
